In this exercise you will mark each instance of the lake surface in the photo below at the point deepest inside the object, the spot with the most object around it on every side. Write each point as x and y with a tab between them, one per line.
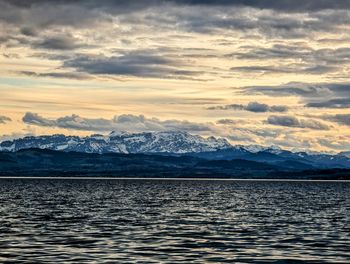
160	221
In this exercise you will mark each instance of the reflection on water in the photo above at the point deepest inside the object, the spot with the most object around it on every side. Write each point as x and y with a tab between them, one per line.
116	221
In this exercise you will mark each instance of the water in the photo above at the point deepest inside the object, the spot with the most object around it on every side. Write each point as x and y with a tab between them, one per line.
159	221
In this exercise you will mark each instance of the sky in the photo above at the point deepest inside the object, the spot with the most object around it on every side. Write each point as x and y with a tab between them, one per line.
272	73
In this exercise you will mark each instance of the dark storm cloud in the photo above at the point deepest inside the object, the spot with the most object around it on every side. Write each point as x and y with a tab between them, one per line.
124	122
4	119
251	107
291	121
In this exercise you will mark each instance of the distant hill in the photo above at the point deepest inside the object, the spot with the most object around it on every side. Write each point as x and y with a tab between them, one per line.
44	162
177	143
281	158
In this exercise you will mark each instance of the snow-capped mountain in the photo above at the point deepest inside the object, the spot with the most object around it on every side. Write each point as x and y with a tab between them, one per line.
121	142
178	143
258	148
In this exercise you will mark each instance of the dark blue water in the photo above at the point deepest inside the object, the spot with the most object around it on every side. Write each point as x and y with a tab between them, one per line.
158	221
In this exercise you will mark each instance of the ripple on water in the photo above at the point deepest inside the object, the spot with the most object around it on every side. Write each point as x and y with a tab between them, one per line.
82	221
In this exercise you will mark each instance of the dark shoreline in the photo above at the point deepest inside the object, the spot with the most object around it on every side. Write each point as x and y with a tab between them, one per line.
48	163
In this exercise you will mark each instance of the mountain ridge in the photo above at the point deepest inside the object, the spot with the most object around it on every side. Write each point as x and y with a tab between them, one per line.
53	163
121	142
177	143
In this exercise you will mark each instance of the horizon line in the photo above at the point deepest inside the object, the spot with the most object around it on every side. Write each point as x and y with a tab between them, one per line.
166	179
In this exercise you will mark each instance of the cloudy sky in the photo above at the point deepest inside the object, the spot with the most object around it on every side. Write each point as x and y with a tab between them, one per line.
254	71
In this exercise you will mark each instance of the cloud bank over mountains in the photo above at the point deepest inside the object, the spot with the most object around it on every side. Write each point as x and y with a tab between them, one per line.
227	128
124	122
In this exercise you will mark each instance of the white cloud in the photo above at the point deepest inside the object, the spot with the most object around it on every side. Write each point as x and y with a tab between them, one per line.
126	122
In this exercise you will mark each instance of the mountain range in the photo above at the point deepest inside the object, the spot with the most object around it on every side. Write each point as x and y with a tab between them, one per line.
180	151
121	142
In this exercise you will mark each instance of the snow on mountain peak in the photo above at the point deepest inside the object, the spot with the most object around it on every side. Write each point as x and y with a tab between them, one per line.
122	142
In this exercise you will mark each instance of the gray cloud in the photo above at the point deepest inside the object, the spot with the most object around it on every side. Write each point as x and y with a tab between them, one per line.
137	63
291	121
293	142
270	23
342	119
307	60
340	143
4	119
285	5
252	107
294	51
29	31
241	137
334	103
59	43
297	68
43	14
312	94
226	122
276	51
301	89
28	24
231	121
65	75
131	123
35	119
202	16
